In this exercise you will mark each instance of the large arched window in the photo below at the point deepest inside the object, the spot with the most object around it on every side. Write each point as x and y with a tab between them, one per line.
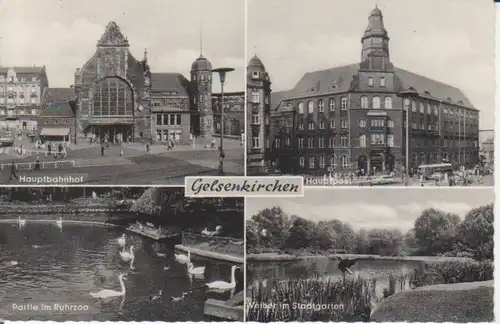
364	102
376	102
113	97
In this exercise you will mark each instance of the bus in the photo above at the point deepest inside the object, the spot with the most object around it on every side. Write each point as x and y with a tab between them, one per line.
427	170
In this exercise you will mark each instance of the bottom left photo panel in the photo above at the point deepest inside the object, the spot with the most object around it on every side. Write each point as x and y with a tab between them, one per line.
120	254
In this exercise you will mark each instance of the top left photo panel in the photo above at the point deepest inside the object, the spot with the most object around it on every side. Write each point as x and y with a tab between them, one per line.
121	92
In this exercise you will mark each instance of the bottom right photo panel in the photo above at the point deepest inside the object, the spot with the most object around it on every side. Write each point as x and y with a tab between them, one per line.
381	255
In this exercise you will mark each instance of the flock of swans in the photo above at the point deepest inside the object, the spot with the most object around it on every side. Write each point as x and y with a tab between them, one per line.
198	272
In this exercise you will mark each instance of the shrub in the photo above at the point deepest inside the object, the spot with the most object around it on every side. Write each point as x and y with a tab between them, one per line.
455	271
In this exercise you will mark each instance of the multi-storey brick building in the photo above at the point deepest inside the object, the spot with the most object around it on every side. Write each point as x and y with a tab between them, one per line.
234	113
353	117
20	91
258	116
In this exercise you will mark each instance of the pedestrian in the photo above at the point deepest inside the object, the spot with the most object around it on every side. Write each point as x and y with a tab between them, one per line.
13	171
147	147
37	162
213	143
121	151
102	149
49	148
169	148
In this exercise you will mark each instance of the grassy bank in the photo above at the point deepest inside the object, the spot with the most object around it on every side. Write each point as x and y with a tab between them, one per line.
356	299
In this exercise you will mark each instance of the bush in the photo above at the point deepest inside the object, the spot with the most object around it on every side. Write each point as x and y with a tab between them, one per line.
455	271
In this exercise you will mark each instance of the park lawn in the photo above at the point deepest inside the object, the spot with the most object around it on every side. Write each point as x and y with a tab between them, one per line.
459	303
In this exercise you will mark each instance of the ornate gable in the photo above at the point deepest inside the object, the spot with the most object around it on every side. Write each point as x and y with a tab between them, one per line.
112	36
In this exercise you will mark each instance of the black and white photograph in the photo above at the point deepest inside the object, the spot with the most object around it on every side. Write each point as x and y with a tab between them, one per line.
379	255
333	86
120	254
121	92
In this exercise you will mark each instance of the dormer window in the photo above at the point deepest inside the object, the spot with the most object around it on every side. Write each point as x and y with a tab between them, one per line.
449	99
255	75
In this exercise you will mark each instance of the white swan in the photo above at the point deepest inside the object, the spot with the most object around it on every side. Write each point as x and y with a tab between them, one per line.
206	232
59	222
224	285
182	258
22	222
126	256
122	240
107	293
195	271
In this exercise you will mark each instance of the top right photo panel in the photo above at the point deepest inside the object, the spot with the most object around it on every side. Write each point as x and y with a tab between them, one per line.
371	93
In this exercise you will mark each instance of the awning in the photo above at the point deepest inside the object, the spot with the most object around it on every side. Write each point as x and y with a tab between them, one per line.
53	131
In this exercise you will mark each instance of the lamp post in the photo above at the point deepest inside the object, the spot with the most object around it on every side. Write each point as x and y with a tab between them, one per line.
222	77
410	95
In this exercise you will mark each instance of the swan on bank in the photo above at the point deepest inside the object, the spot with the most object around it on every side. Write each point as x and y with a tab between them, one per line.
127	255
108	293
224	285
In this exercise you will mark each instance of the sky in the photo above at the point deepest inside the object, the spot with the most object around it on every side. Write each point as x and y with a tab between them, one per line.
375	208
62	34
449	41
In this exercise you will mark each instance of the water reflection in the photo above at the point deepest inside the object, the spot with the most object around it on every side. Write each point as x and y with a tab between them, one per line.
40	263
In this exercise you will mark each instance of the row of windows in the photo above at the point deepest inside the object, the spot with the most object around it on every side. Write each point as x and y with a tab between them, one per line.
321	142
169	135
203	77
20	101
12	112
20	88
3	78
344	124
256	98
322	161
168	119
381	83
427	107
457	125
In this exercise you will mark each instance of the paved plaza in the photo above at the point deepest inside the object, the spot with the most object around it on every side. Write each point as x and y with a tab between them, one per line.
126	164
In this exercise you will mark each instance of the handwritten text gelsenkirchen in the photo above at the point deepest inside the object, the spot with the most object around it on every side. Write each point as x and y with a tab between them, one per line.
244	186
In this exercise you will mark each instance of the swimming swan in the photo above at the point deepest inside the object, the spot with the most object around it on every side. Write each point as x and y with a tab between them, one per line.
121	240
126	256
182	258
195	271
107	293
22	222
59	222
223	285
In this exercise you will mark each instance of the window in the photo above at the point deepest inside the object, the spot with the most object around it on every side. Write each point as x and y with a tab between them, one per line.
255	97
202	77
413	106
255	119
321	106
255	75
287	141
343	141
332	124
33	79
111	97
364	102
422	108
301	108
277	143
321	125
256	142
370	82
321	142
344	162
343	103
311	125
301	142
331	142
362	123
310	142
310	107
311	162
158	120
377	139
301	161
388	103
390	123
377	123
201	98
322	162
376	102
331	104
390	140
414	125
429	109
382	82
332	161
436	110
301	126
362	140
266	119
344	124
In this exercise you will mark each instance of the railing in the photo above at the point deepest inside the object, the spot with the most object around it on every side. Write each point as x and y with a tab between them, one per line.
225	245
43	165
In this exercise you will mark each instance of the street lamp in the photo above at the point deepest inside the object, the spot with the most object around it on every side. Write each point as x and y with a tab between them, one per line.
222	76
410	95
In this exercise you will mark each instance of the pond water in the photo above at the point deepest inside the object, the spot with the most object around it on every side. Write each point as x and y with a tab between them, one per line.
270	272
42	264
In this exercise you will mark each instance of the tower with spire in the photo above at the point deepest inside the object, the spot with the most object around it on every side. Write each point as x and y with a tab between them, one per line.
375	41
201	81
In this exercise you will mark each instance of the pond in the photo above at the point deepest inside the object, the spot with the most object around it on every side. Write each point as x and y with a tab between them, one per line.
42	266
268	272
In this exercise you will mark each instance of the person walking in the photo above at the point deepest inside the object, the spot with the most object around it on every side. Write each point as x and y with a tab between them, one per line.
37	162
102	149
13	171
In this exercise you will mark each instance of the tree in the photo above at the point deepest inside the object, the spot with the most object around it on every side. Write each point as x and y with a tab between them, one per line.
385	242
300	234
475	233
435	231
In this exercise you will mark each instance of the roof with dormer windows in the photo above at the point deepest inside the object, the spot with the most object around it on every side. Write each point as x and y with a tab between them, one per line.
173	82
